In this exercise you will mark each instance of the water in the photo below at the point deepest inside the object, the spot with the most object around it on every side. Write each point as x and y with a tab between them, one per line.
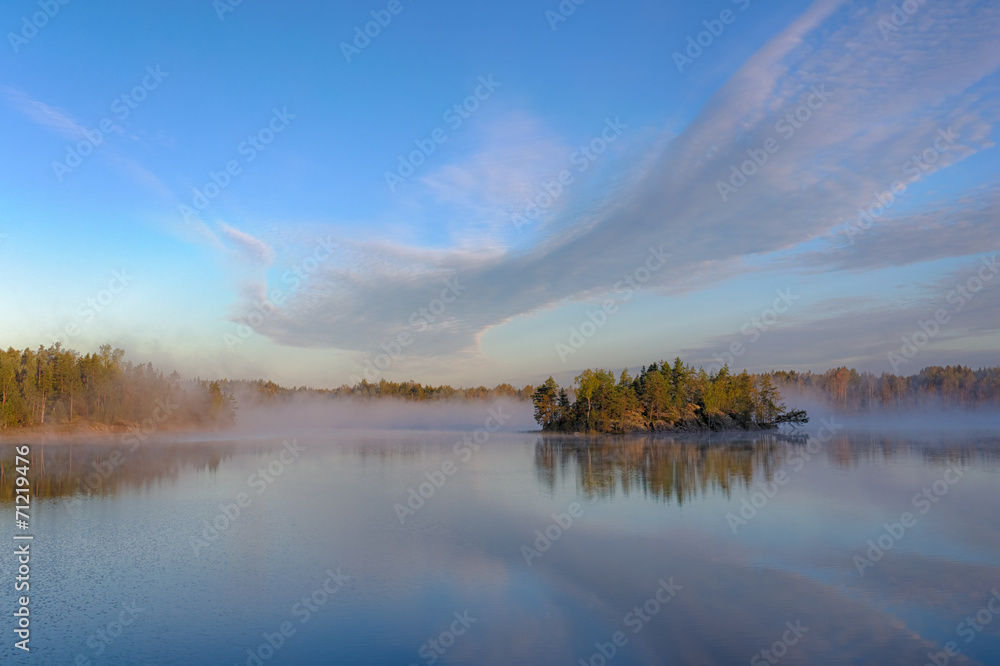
653	562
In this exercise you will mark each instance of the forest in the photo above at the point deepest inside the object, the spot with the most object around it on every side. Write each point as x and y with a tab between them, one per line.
679	397
259	392
934	387
60	386
56	386
663	397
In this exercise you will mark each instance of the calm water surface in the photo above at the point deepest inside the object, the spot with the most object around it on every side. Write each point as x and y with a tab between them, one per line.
529	550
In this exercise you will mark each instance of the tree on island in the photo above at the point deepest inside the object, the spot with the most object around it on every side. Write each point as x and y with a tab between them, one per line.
663	397
55	386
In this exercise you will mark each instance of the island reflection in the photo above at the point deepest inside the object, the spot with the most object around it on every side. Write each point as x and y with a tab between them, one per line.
680	469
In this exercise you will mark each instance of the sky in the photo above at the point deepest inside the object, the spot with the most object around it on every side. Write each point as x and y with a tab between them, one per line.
476	193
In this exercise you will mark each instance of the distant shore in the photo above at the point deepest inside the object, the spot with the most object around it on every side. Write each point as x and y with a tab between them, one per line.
86	430
675	433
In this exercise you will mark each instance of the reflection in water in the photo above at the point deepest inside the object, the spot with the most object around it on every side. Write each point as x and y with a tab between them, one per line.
64	470
67	469
680	469
662	468
462	548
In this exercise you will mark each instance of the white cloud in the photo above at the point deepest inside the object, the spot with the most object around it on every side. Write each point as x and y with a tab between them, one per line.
40	113
888	98
248	248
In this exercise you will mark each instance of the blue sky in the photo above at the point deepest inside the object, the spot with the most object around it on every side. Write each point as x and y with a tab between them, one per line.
282	198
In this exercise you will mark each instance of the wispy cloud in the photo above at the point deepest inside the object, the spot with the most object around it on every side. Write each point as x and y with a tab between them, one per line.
64	125
45	115
246	247
963	226
886	99
512	159
860	331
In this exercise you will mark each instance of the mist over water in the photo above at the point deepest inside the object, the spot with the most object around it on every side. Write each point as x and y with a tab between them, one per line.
309	416
518	333
938	420
549	543
932	416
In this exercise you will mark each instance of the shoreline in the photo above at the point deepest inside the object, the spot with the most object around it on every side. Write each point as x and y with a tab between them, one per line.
100	433
673	434
87	432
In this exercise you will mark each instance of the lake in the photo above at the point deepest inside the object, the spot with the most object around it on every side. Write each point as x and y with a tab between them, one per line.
475	547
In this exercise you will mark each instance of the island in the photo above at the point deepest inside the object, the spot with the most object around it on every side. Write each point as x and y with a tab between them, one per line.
663	397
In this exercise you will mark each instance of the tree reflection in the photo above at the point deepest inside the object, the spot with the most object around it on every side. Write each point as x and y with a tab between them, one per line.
66	470
683	468
657	467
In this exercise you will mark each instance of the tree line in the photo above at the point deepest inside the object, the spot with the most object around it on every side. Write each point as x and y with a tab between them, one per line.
56	386
951	386
663	397
260	392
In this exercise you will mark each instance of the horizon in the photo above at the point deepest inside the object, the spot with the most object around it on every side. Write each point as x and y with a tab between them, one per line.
793	188
566	379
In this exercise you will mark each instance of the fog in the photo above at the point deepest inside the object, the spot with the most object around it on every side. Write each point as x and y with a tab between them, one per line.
933	416
313	415
924	420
